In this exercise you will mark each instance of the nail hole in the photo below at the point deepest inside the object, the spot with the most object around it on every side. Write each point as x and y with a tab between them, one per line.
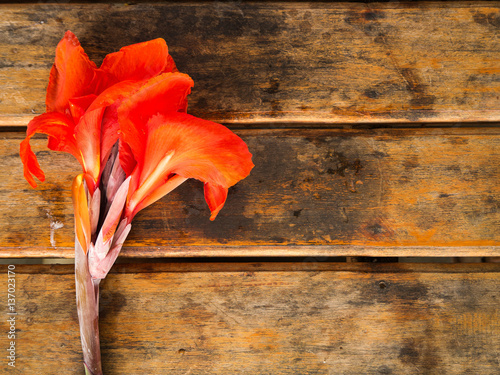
181	351
382	285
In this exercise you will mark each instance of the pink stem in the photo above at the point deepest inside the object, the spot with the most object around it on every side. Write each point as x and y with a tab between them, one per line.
87	302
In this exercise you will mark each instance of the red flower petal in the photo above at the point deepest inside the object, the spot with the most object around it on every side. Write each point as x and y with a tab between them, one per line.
109	100
183	145
215	195
88	139
78	106
116	93
60	130
161	94
127	160
31	165
91	97
172	183
138	62
71	74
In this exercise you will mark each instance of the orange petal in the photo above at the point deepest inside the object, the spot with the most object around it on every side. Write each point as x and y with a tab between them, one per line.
138	62
161	94
127	160
110	129
88	140
116	93
60	130
215	195
110	99
70	76
203	149
171	67
82	218
153	196
31	165
98	128
181	144
78	106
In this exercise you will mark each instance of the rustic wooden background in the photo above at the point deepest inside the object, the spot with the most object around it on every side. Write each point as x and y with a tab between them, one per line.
307	318
374	130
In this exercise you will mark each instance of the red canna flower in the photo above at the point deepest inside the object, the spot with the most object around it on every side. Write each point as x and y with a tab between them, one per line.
126	123
81	98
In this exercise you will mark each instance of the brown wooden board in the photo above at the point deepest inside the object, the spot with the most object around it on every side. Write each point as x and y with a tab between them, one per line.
279	61
413	192
309	318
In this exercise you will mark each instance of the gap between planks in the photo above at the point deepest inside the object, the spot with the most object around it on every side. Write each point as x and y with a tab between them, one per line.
263	266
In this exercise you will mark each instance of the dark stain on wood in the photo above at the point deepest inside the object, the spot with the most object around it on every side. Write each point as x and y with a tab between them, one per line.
418	90
410	292
371	93
380	154
377	229
111	302
408	353
420	354
403	293
384	370
492	204
411	162
340	161
216	42
366	21
373	15
490	19
274	85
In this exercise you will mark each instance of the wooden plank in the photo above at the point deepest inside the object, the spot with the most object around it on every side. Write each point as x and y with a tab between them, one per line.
323	192
265	319
279	61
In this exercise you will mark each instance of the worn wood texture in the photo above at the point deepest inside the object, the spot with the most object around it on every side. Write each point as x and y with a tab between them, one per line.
413	192
280	61
307	318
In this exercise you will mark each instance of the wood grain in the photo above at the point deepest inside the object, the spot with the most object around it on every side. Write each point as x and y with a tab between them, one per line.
310	318
278	61
322	192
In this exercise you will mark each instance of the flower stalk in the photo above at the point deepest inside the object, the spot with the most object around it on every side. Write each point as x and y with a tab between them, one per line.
98	241
87	302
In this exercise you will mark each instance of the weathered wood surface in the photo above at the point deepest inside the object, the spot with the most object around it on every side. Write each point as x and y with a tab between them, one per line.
393	192
310	318
280	61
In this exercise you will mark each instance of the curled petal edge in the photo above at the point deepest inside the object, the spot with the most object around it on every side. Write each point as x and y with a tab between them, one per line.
216	196
60	129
